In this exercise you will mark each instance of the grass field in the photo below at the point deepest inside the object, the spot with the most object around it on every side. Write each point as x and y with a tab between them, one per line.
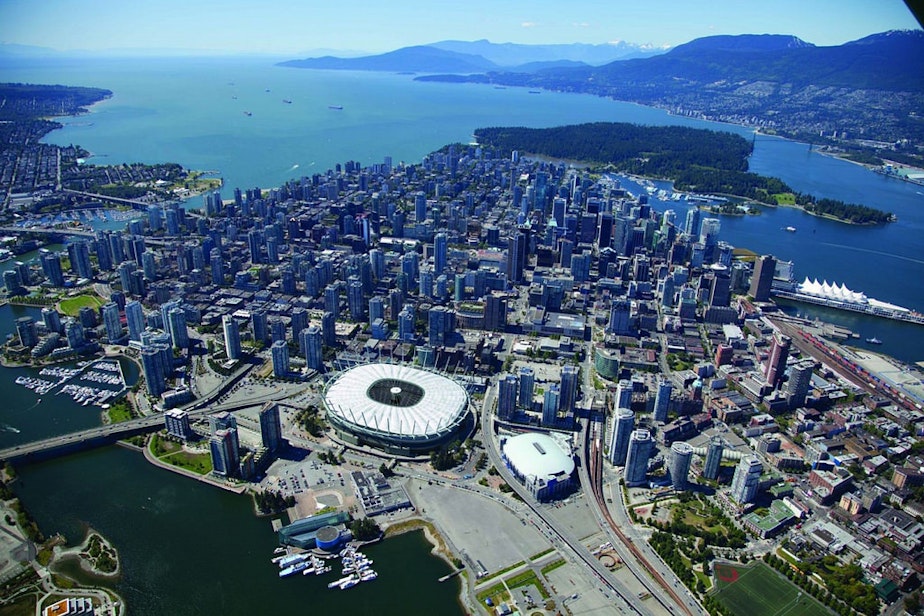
71	305
785	198
757	590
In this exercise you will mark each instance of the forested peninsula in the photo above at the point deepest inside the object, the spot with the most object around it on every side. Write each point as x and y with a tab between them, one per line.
696	160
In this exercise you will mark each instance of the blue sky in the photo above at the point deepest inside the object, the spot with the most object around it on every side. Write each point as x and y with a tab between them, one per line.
291	26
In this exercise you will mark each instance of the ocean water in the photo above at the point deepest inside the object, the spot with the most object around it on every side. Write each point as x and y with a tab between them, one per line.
191	111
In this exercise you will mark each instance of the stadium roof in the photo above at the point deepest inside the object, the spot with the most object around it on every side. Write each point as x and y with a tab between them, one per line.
538	455
397	400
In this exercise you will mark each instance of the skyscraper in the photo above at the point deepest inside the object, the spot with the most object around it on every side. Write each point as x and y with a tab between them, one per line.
746	480
232	334
506	397
622	427
51	266
329	328
640	445
177	423
527	383
569	387
225	457
313	347
516	257
134	318
713	459
299	321
355	300
551	403
762	278
111	321
495	313
271	426
25	328
441	322
155	379
776	363
800	381
176	322
662	400
623	398
258	325
681	454
280	353
52	320
440	243
619	323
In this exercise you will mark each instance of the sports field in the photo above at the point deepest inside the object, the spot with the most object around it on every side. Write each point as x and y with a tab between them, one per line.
758	590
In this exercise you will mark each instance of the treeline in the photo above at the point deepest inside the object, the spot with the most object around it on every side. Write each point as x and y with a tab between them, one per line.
659	150
271	501
859	214
696	160
25	101
844	592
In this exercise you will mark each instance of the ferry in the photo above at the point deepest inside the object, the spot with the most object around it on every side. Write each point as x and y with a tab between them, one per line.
874	340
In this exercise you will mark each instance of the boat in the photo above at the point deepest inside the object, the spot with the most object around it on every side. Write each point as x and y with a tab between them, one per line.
293	569
248	114
292	559
874	340
335	107
789	229
350	583
368	576
279	550
535	91
287	101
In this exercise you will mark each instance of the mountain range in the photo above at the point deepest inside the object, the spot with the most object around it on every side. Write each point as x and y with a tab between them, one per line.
481	56
859	93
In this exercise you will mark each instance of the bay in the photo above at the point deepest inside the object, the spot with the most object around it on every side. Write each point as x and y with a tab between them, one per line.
192	111
190	548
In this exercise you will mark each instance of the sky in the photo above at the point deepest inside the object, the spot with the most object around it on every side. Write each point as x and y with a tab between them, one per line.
290	27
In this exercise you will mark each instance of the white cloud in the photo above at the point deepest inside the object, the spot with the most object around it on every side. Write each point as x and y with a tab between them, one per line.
529	24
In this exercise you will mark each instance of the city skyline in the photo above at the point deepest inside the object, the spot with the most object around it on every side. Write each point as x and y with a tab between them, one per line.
236	27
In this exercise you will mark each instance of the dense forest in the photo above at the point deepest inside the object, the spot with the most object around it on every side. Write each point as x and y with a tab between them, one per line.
657	150
696	160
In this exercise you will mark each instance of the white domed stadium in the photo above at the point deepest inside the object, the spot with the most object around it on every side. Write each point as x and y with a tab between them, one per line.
543	464
400	409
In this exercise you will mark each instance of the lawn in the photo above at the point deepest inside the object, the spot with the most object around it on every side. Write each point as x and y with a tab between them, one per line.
785	198
71	305
757	590
496	593
200	463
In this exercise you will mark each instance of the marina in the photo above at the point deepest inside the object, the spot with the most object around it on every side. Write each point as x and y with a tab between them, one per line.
357	567
94	383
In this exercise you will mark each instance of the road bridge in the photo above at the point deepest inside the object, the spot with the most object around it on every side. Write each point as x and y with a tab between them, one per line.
105	435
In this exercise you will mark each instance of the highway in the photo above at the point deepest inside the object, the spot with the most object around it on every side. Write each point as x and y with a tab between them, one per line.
563	534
